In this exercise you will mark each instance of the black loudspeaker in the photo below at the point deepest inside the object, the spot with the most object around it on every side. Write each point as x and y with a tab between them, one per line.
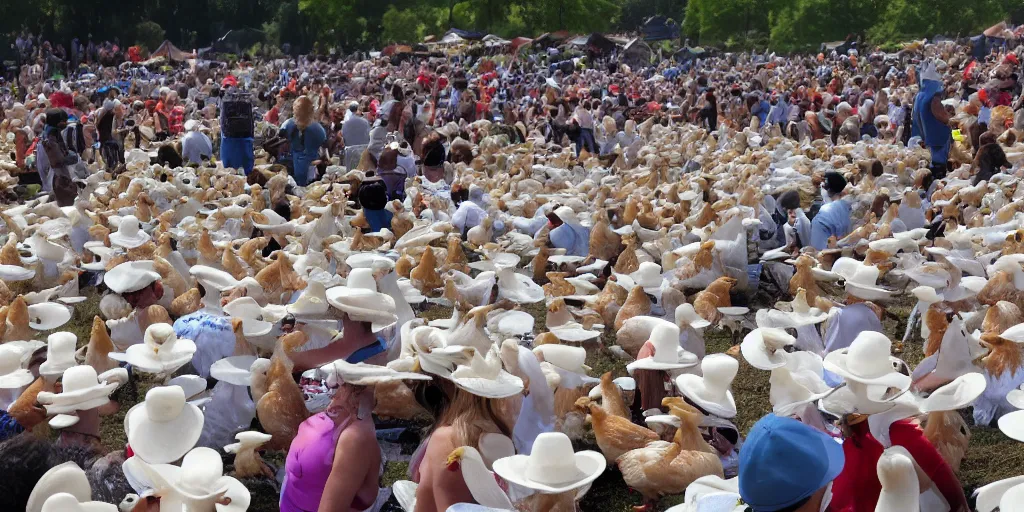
236	119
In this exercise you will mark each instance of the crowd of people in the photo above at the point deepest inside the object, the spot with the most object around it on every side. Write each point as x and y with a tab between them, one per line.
270	242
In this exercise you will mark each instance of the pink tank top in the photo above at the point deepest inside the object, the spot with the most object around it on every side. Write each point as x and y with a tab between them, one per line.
309	463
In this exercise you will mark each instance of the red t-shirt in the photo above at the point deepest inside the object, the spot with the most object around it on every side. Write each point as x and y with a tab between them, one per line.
857	488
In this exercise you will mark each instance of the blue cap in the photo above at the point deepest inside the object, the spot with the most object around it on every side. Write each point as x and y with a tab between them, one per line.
784	461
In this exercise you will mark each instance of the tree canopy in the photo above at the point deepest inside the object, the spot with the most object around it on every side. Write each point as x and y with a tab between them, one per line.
782	25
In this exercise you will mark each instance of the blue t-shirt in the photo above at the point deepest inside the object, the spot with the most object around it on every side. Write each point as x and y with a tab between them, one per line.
833	219
305	147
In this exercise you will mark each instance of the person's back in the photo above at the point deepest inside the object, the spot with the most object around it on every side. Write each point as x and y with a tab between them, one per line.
195	146
833	219
356	131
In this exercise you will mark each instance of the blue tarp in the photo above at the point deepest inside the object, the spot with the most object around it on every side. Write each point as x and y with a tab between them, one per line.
466	34
659	28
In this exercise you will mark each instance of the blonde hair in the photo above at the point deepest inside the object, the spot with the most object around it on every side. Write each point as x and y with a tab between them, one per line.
302	109
471	416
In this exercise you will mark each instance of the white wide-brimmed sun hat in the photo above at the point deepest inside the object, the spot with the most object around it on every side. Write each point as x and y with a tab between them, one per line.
233	370
791	390
479	374
686	314
551	467
711	392
312	302
363	374
64	502
65	478
765	347
668	354
161	351
12	374
60	354
45	249
130	276
129	233
255	321
104	254
82	390
361	301
47	316
960	393
164	427
868	361
797	313
569	358
14	273
275	225
198	484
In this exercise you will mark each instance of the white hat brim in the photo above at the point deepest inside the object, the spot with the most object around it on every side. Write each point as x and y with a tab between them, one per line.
589	464
1012	425
233	370
140	356
756	352
960	393
163	442
836	362
48	316
692	386
16	379
120	239
67	478
14	273
503	386
80	400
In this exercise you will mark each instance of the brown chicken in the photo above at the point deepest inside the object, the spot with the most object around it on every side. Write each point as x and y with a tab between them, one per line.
100	345
701	261
404	266
937	321
1001	317
628	262
186	303
661	468
557	285
948	432
18	321
26	409
540	264
425	277
615	435
1003	355
9	253
396	400
251	254
232	264
279	277
456	258
715	296
637	304
803	278
206	248
605	244
611	398
1000	287
282	408
609	301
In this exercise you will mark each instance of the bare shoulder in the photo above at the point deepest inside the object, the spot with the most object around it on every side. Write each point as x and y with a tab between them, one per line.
359	433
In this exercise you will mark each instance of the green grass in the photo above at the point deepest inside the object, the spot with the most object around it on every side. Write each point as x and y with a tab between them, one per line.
992	456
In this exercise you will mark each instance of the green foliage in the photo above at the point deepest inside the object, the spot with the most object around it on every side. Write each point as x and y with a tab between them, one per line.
781	25
149	34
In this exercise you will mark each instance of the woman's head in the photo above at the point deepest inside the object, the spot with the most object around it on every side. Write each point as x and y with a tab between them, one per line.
302	109
145	297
